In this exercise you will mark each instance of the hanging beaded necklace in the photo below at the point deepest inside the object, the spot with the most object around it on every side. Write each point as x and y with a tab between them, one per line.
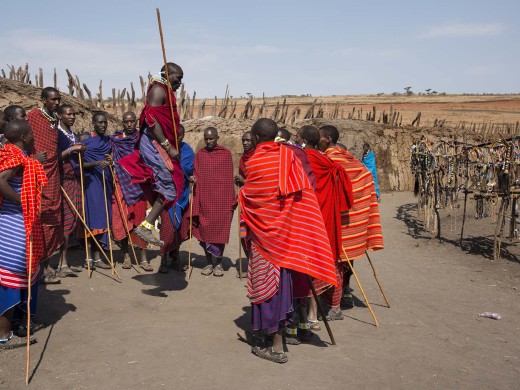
70	135
47	116
159	79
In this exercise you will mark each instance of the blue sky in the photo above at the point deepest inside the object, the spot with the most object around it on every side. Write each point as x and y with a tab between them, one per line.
276	47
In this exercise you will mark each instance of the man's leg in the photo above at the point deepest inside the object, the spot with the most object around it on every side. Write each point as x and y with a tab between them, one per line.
127	261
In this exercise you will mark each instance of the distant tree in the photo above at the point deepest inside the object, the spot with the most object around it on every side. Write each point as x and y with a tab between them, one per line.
408	91
434	92
428	91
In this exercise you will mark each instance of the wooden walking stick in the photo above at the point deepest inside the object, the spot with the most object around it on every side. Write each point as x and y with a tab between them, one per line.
320	309
83	211
191	229
359	285
377	279
86	227
28	359
108	222
168	79
239	245
125	224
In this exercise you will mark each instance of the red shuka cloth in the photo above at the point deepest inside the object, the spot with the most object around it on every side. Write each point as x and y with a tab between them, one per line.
31	195
213	196
140	172
243	161
334	193
46	140
282	213
360	226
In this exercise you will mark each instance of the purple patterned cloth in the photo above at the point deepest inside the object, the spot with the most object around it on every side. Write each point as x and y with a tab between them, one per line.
122	146
275	313
216	250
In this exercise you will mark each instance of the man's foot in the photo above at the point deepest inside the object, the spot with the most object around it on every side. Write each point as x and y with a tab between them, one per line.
207	270
63	272
146	266
270	354
12	342
101	264
89	262
50	278
347	302
291	336
314	325
218	270
147	235
335	314
21	330
304	332
127	263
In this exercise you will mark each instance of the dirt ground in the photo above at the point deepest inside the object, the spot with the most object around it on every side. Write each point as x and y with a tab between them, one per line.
161	331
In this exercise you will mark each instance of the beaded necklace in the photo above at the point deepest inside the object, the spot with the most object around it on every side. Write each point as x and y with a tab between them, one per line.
70	135
159	79
47	116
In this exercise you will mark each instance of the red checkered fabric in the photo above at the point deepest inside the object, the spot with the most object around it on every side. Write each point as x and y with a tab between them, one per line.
46	140
214	195
33	180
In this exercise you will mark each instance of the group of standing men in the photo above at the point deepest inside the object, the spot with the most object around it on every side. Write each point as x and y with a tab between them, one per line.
306	207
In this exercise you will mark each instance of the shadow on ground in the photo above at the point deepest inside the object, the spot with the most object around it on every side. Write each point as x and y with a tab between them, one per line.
473	245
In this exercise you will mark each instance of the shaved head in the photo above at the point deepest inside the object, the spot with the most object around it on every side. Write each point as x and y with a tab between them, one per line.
310	134
284	133
13	112
210	138
16	129
265	130
211	130
330	131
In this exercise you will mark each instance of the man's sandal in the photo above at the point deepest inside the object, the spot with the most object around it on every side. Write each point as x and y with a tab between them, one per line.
50	278
12	342
127	263
63	272
291	336
270	354
101	264
207	270
21	331
304	332
147	235
146	266
314	325
89	262
218	270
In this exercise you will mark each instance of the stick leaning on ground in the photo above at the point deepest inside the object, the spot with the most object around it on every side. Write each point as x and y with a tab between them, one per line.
28	359
125	224
239	244
83	210
108	222
377	279
191	228
86	227
360	287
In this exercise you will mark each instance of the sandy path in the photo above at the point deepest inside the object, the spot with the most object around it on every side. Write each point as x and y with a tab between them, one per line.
158	331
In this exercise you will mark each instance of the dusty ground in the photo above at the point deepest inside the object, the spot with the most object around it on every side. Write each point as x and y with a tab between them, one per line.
160	331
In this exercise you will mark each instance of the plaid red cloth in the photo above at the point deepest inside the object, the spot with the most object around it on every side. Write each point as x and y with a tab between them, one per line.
214	195
134	215
33	180
360	226
46	140
282	214
123	146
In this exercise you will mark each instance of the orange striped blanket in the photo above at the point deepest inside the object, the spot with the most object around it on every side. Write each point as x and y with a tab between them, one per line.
282	214
360	225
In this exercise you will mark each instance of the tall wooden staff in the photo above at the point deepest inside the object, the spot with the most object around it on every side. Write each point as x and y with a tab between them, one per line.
321	310
359	285
239	245
83	211
108	222
125	224
377	279
29	311
191	229
86	227
168	79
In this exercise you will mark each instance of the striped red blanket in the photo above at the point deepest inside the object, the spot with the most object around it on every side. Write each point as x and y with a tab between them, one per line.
360	226
30	196
282	214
